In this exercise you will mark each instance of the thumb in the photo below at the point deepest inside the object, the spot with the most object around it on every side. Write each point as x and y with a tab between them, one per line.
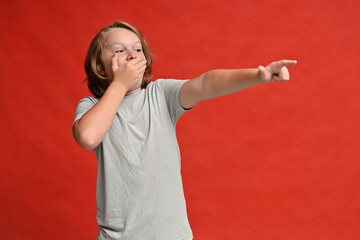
261	68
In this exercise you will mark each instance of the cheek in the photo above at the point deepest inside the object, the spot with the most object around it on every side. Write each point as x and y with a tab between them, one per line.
106	61
121	60
142	54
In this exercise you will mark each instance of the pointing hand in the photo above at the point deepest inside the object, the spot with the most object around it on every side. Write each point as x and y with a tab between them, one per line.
276	71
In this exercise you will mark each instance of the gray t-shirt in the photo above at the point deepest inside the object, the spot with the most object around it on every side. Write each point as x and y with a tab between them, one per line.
139	192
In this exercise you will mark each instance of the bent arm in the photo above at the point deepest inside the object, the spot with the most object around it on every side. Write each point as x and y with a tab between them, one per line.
92	127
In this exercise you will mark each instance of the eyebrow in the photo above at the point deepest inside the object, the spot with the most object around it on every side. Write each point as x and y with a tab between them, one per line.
122	43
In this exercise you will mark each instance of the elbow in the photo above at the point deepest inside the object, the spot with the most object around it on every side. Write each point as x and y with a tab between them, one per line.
207	85
87	143
83	139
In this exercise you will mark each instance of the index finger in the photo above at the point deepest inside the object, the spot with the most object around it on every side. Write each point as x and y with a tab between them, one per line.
277	66
284	63
288	62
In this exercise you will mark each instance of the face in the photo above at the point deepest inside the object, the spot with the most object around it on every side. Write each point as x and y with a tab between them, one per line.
125	44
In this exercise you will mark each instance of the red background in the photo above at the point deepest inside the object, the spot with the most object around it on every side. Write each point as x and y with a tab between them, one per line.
276	161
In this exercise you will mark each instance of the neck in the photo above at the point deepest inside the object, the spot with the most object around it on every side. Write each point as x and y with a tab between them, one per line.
133	91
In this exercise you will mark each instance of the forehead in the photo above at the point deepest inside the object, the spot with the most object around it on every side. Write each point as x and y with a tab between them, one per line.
120	35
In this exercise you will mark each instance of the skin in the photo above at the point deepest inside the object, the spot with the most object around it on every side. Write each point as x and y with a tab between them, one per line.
221	82
123	58
275	71
125	64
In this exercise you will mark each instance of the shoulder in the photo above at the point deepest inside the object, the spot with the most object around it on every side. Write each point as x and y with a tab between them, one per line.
164	84
87	102
89	99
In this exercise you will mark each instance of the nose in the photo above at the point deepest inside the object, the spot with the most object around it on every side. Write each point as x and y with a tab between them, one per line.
131	55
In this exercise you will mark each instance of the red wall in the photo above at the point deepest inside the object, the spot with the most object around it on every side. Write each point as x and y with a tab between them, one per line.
277	161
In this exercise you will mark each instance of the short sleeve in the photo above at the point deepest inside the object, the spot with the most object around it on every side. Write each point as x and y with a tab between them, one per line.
83	106
171	90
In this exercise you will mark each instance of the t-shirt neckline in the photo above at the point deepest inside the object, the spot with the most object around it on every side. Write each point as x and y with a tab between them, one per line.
133	95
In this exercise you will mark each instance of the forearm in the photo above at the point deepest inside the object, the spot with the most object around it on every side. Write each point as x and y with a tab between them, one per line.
222	82
90	130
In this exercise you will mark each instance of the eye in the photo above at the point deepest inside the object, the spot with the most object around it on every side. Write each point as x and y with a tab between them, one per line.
138	50
119	51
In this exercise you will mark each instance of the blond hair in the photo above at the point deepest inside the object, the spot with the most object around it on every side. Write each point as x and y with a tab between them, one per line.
97	80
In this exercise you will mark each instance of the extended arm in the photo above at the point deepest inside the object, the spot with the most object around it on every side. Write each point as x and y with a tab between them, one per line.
221	82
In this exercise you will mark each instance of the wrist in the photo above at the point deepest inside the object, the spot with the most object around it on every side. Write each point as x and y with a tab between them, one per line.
263	75
118	86
258	76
